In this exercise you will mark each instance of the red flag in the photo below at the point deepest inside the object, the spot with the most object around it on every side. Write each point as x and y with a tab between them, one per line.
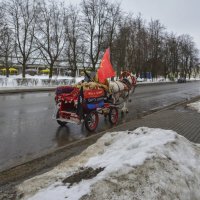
106	70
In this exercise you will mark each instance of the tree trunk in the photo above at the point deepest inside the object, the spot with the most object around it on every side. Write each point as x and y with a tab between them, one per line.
73	73
23	70
51	71
7	66
7	71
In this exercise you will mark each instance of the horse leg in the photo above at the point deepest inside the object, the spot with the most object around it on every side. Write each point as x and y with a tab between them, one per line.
130	93
124	108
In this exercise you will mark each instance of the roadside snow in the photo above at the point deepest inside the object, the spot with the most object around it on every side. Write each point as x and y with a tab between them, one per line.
144	164
37	81
43	80
195	106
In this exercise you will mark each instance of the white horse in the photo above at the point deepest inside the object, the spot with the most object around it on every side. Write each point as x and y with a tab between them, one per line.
122	89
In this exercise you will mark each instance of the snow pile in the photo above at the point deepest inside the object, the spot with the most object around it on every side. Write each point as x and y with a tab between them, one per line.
142	164
195	106
37	80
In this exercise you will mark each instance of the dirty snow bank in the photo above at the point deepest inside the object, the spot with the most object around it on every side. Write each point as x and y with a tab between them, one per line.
195	106
37	81
141	164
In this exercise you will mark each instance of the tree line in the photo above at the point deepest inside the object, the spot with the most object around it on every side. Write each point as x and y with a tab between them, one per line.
37	30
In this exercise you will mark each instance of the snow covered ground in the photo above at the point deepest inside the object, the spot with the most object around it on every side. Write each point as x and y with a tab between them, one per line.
195	106
37	81
144	164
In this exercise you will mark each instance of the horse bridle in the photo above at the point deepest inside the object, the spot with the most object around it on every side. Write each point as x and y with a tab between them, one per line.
127	74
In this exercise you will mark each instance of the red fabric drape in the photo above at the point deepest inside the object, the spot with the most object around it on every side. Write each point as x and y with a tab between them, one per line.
106	70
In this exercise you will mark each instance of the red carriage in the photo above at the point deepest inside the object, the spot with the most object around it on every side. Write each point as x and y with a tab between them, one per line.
80	104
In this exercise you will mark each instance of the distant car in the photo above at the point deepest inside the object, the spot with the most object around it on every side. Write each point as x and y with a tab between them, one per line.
181	80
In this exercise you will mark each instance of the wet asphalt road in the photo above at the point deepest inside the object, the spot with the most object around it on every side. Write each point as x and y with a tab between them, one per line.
27	128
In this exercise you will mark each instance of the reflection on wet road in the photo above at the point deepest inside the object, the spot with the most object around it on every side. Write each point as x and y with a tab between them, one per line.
27	128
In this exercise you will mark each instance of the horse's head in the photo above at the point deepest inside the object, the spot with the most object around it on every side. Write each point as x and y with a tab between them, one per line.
129	76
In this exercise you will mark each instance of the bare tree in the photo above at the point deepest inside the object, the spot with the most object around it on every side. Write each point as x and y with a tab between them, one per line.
6	41
155	43
188	55
112	25
119	48
140	49
194	61
75	49
22	16
130	47
50	32
139	46
95	17
6	46
170	56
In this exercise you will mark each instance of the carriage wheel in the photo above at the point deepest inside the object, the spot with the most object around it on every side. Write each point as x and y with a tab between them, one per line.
91	121
58	121
113	115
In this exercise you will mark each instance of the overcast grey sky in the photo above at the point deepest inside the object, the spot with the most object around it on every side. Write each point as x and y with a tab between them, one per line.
178	16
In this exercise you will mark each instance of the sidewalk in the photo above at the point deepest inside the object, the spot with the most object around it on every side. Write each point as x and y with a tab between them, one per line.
180	119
